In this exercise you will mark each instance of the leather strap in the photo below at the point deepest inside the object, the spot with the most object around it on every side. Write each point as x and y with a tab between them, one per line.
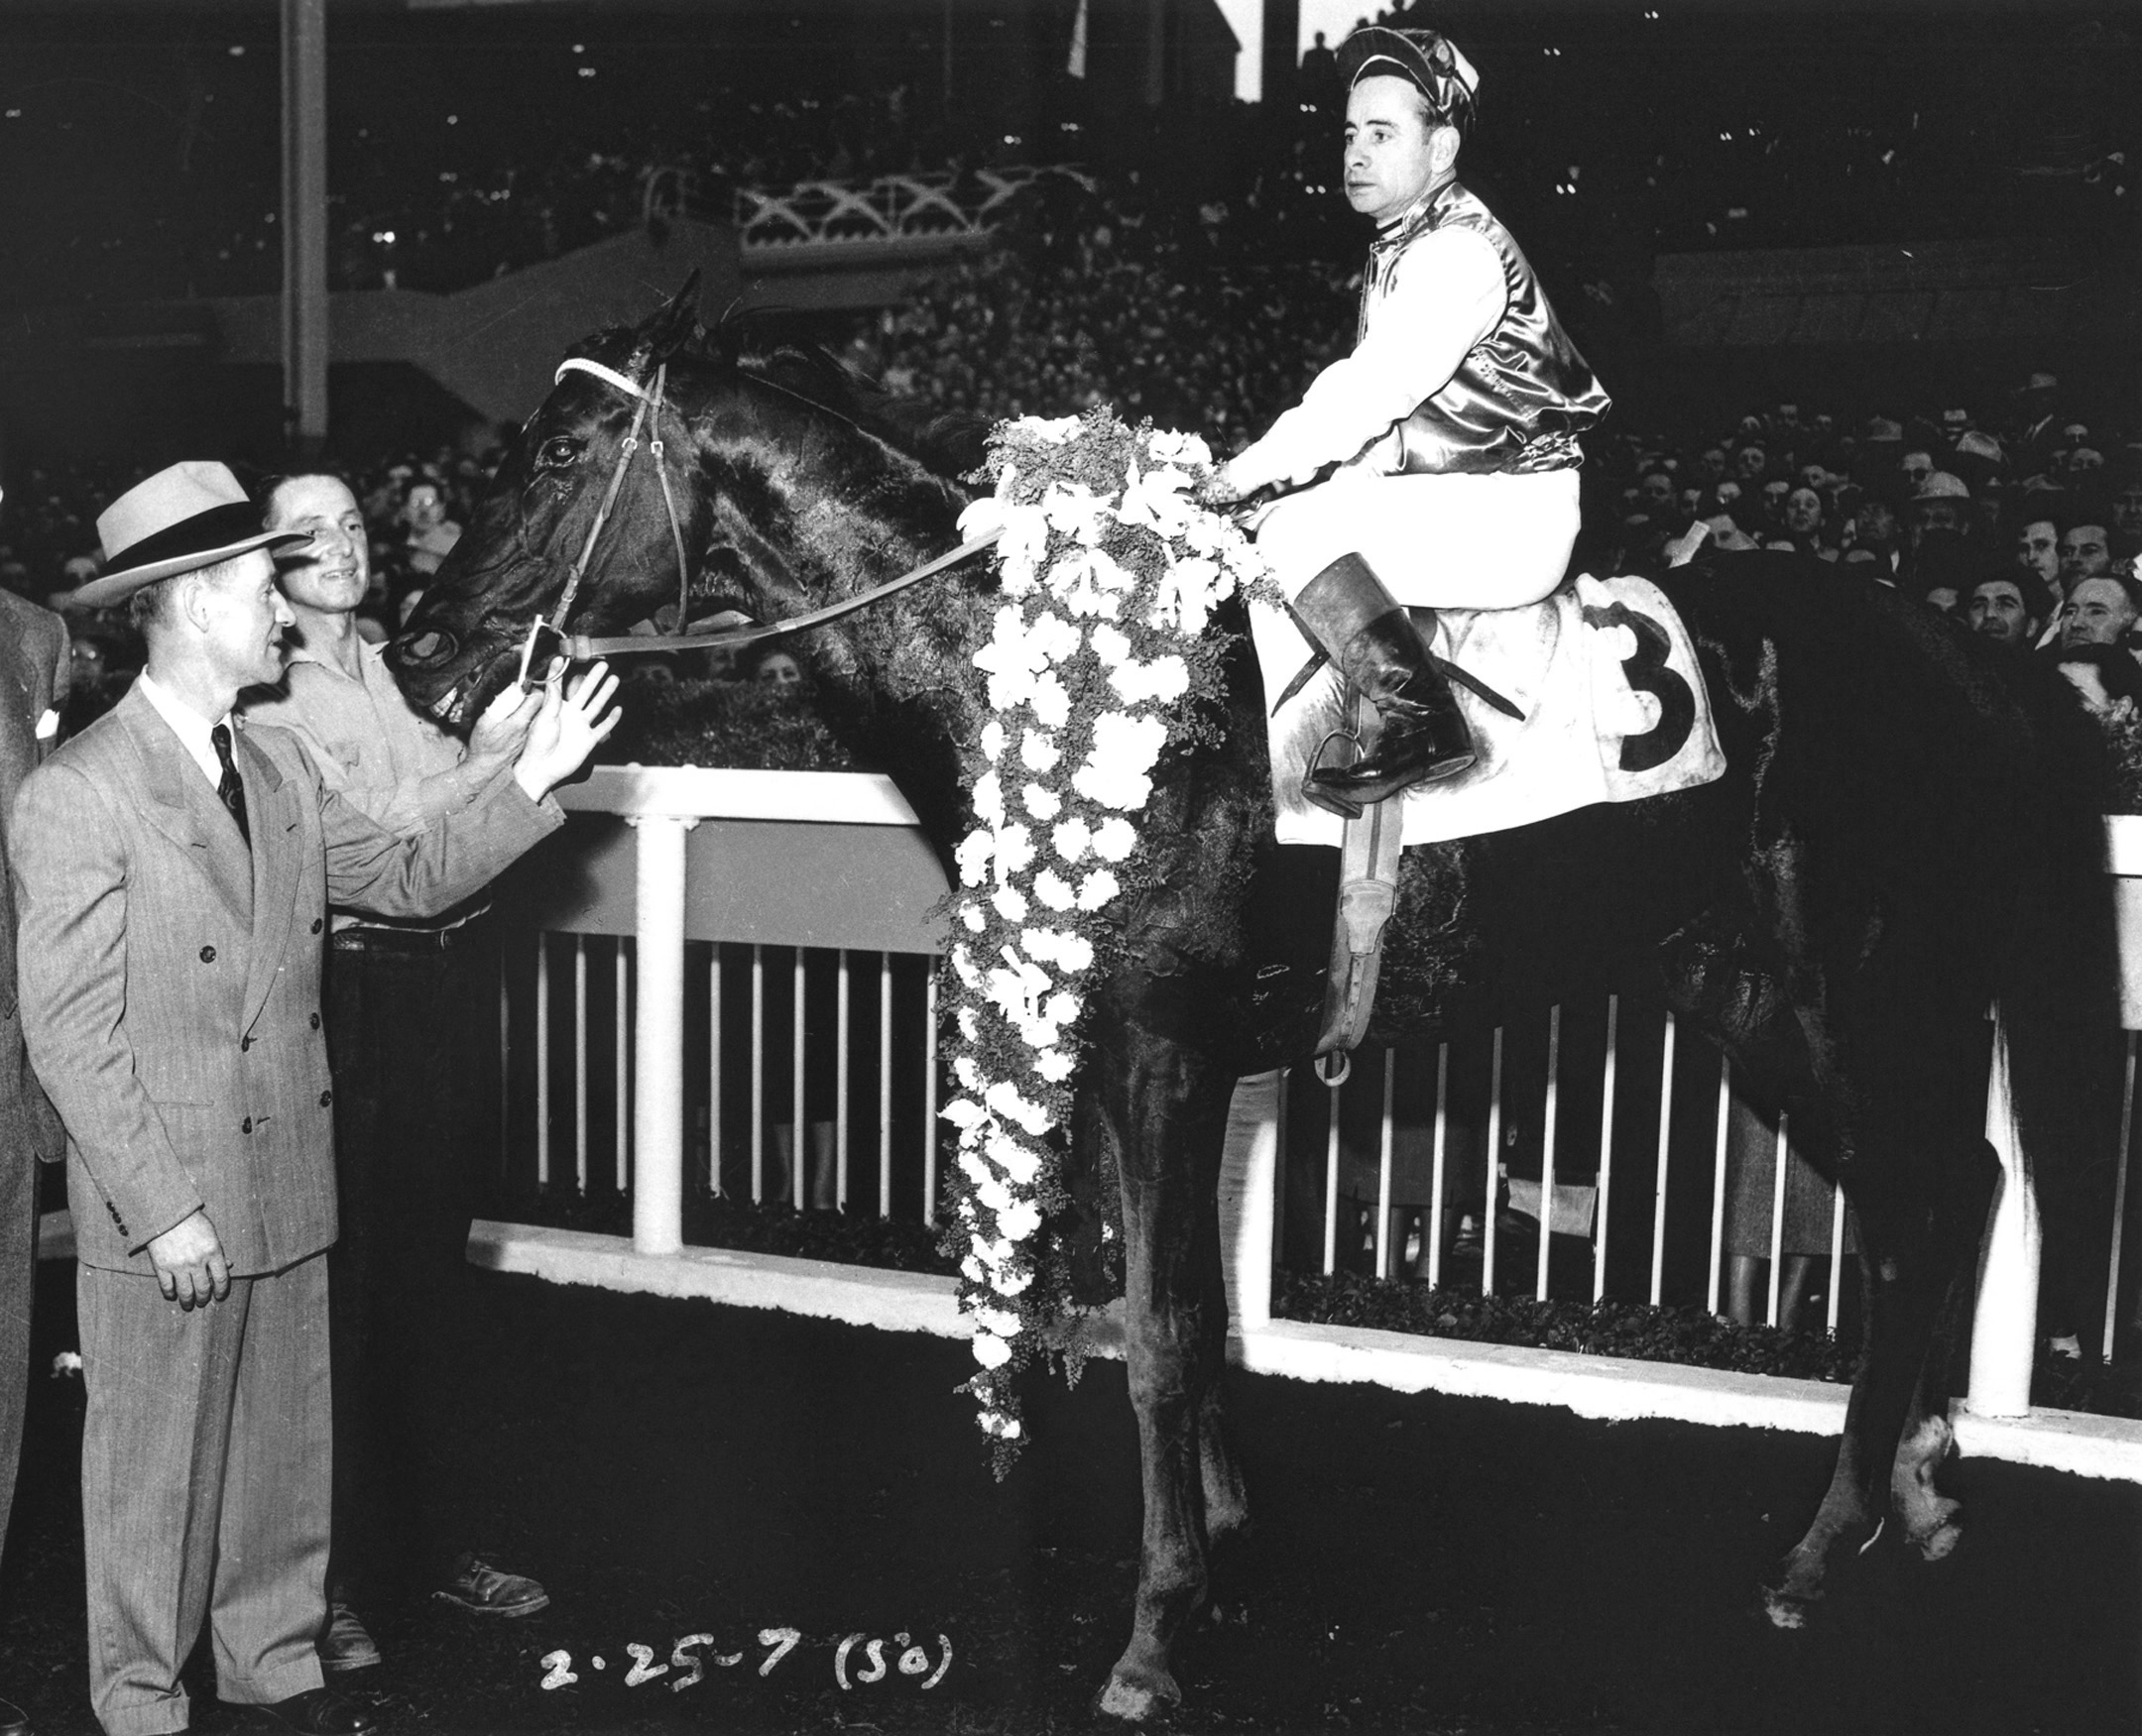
1368	893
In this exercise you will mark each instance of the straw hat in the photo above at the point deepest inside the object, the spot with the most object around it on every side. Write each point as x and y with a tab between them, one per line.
180	521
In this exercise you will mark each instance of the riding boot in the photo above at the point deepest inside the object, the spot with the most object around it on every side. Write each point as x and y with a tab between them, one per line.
1375	645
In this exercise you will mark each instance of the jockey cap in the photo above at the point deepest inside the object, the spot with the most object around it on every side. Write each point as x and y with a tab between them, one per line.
1425	58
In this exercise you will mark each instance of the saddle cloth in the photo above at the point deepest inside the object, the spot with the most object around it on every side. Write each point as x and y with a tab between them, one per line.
1604	670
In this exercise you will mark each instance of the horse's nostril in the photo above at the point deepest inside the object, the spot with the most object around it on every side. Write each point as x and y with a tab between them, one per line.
428	647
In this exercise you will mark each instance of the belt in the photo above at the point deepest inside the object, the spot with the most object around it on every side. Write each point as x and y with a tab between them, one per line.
398	940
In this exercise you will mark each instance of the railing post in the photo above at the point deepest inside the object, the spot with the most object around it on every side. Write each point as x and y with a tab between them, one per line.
1249	1180
658	1035
2004	1331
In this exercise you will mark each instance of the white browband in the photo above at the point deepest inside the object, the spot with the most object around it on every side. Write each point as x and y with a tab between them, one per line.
581	365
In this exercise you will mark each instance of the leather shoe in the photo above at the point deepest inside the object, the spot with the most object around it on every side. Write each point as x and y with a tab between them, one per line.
477	1586
343	1643
14	1722
318	1711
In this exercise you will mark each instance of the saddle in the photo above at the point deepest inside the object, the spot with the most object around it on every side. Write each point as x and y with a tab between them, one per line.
1611	708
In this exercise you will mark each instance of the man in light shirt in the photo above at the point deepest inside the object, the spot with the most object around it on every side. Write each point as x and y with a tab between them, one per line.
1436	466
406	1021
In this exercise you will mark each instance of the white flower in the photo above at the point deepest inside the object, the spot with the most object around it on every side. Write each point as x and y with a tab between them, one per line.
1156	500
1168	447
987	1253
1001	1320
980	516
1077	512
1075	953
967	1073
1049	431
996	1422
970	1025
1038	752
963	967
1041	802
972	1269
993	741
1015	848
1124	749
1009	904
1072	838
1185	596
1115	839
971	919
964	1112
1109	646
1053	638
1013	1284
1020	1166
1020	1220
1097	890
1007	1102
1050	700
1054	1065
1089	582
1063	1007
1160	681
990	1350
972	858
1053	890
989	804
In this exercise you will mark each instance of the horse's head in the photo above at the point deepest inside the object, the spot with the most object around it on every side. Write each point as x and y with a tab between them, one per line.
518	555
790	486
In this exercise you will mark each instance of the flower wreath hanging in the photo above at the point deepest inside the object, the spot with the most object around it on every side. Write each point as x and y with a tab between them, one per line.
1099	661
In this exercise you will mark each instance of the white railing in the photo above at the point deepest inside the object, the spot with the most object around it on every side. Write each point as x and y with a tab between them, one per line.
710	852
931	205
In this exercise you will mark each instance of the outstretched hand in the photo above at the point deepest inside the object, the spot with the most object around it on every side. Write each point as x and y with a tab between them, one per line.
567	727
503	729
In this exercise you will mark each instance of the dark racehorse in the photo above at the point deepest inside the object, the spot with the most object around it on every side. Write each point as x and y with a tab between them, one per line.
1907	833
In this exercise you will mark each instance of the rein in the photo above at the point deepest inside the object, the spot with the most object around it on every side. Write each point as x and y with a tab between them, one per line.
738	630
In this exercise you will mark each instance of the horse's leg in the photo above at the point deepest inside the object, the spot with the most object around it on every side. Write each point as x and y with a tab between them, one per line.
1933	1521
1166	1107
1919	1216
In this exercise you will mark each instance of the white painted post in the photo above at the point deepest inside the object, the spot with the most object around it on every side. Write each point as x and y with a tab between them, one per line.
543	1059
1779	1174
580	1067
659	1036
1331	1174
1718	1182
2004	1331
1435	1184
1248	1182
1549	1123
1494	1167
1606	1148
1665	1156
1384	1152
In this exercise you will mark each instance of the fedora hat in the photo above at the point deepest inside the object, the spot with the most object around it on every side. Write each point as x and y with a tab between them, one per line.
180	521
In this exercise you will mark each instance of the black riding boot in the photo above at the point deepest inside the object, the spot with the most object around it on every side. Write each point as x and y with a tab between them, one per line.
1375	645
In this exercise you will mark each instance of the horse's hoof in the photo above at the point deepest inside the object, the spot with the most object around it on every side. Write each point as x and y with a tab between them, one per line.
1136	1695
1787	1613
1937	1542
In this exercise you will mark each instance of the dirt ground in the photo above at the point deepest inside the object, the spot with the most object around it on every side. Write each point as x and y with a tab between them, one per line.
1422	1564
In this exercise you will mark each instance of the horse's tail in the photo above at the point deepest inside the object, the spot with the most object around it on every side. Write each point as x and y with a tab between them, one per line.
2059	990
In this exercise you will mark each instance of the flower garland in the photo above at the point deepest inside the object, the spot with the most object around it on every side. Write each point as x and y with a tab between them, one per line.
1098	663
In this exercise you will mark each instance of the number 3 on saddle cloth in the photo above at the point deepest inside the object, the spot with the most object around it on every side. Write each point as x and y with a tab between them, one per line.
1602	670
1614	710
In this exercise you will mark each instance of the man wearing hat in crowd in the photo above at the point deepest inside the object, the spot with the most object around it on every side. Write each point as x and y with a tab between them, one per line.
34	673
1443	450
174	870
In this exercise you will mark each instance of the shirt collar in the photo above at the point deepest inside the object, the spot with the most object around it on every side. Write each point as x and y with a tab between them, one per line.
191	728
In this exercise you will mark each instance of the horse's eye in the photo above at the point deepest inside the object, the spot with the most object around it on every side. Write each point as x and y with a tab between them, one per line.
558	452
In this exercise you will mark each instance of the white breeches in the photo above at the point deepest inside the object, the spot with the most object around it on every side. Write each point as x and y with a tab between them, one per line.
1438	541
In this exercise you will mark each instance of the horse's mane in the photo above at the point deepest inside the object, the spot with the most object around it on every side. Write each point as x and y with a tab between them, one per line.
949	443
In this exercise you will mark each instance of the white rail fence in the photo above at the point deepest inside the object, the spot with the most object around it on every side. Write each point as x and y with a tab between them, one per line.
766	1028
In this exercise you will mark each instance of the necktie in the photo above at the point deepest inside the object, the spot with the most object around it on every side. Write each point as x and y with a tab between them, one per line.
228	789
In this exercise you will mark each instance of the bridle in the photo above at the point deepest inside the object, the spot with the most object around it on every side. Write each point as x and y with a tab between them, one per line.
731	629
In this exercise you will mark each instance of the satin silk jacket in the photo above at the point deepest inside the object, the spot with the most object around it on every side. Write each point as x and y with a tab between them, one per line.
1522	394
170	979
34	670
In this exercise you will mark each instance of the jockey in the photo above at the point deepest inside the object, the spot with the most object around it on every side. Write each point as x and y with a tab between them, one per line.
1453	426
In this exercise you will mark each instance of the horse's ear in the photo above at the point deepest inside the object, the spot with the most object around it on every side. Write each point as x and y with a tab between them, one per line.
676	324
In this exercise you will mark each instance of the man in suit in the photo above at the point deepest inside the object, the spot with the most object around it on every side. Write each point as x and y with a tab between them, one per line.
174	874
34	666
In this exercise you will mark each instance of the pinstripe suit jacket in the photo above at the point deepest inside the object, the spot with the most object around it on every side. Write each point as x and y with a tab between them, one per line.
170	980
33	670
